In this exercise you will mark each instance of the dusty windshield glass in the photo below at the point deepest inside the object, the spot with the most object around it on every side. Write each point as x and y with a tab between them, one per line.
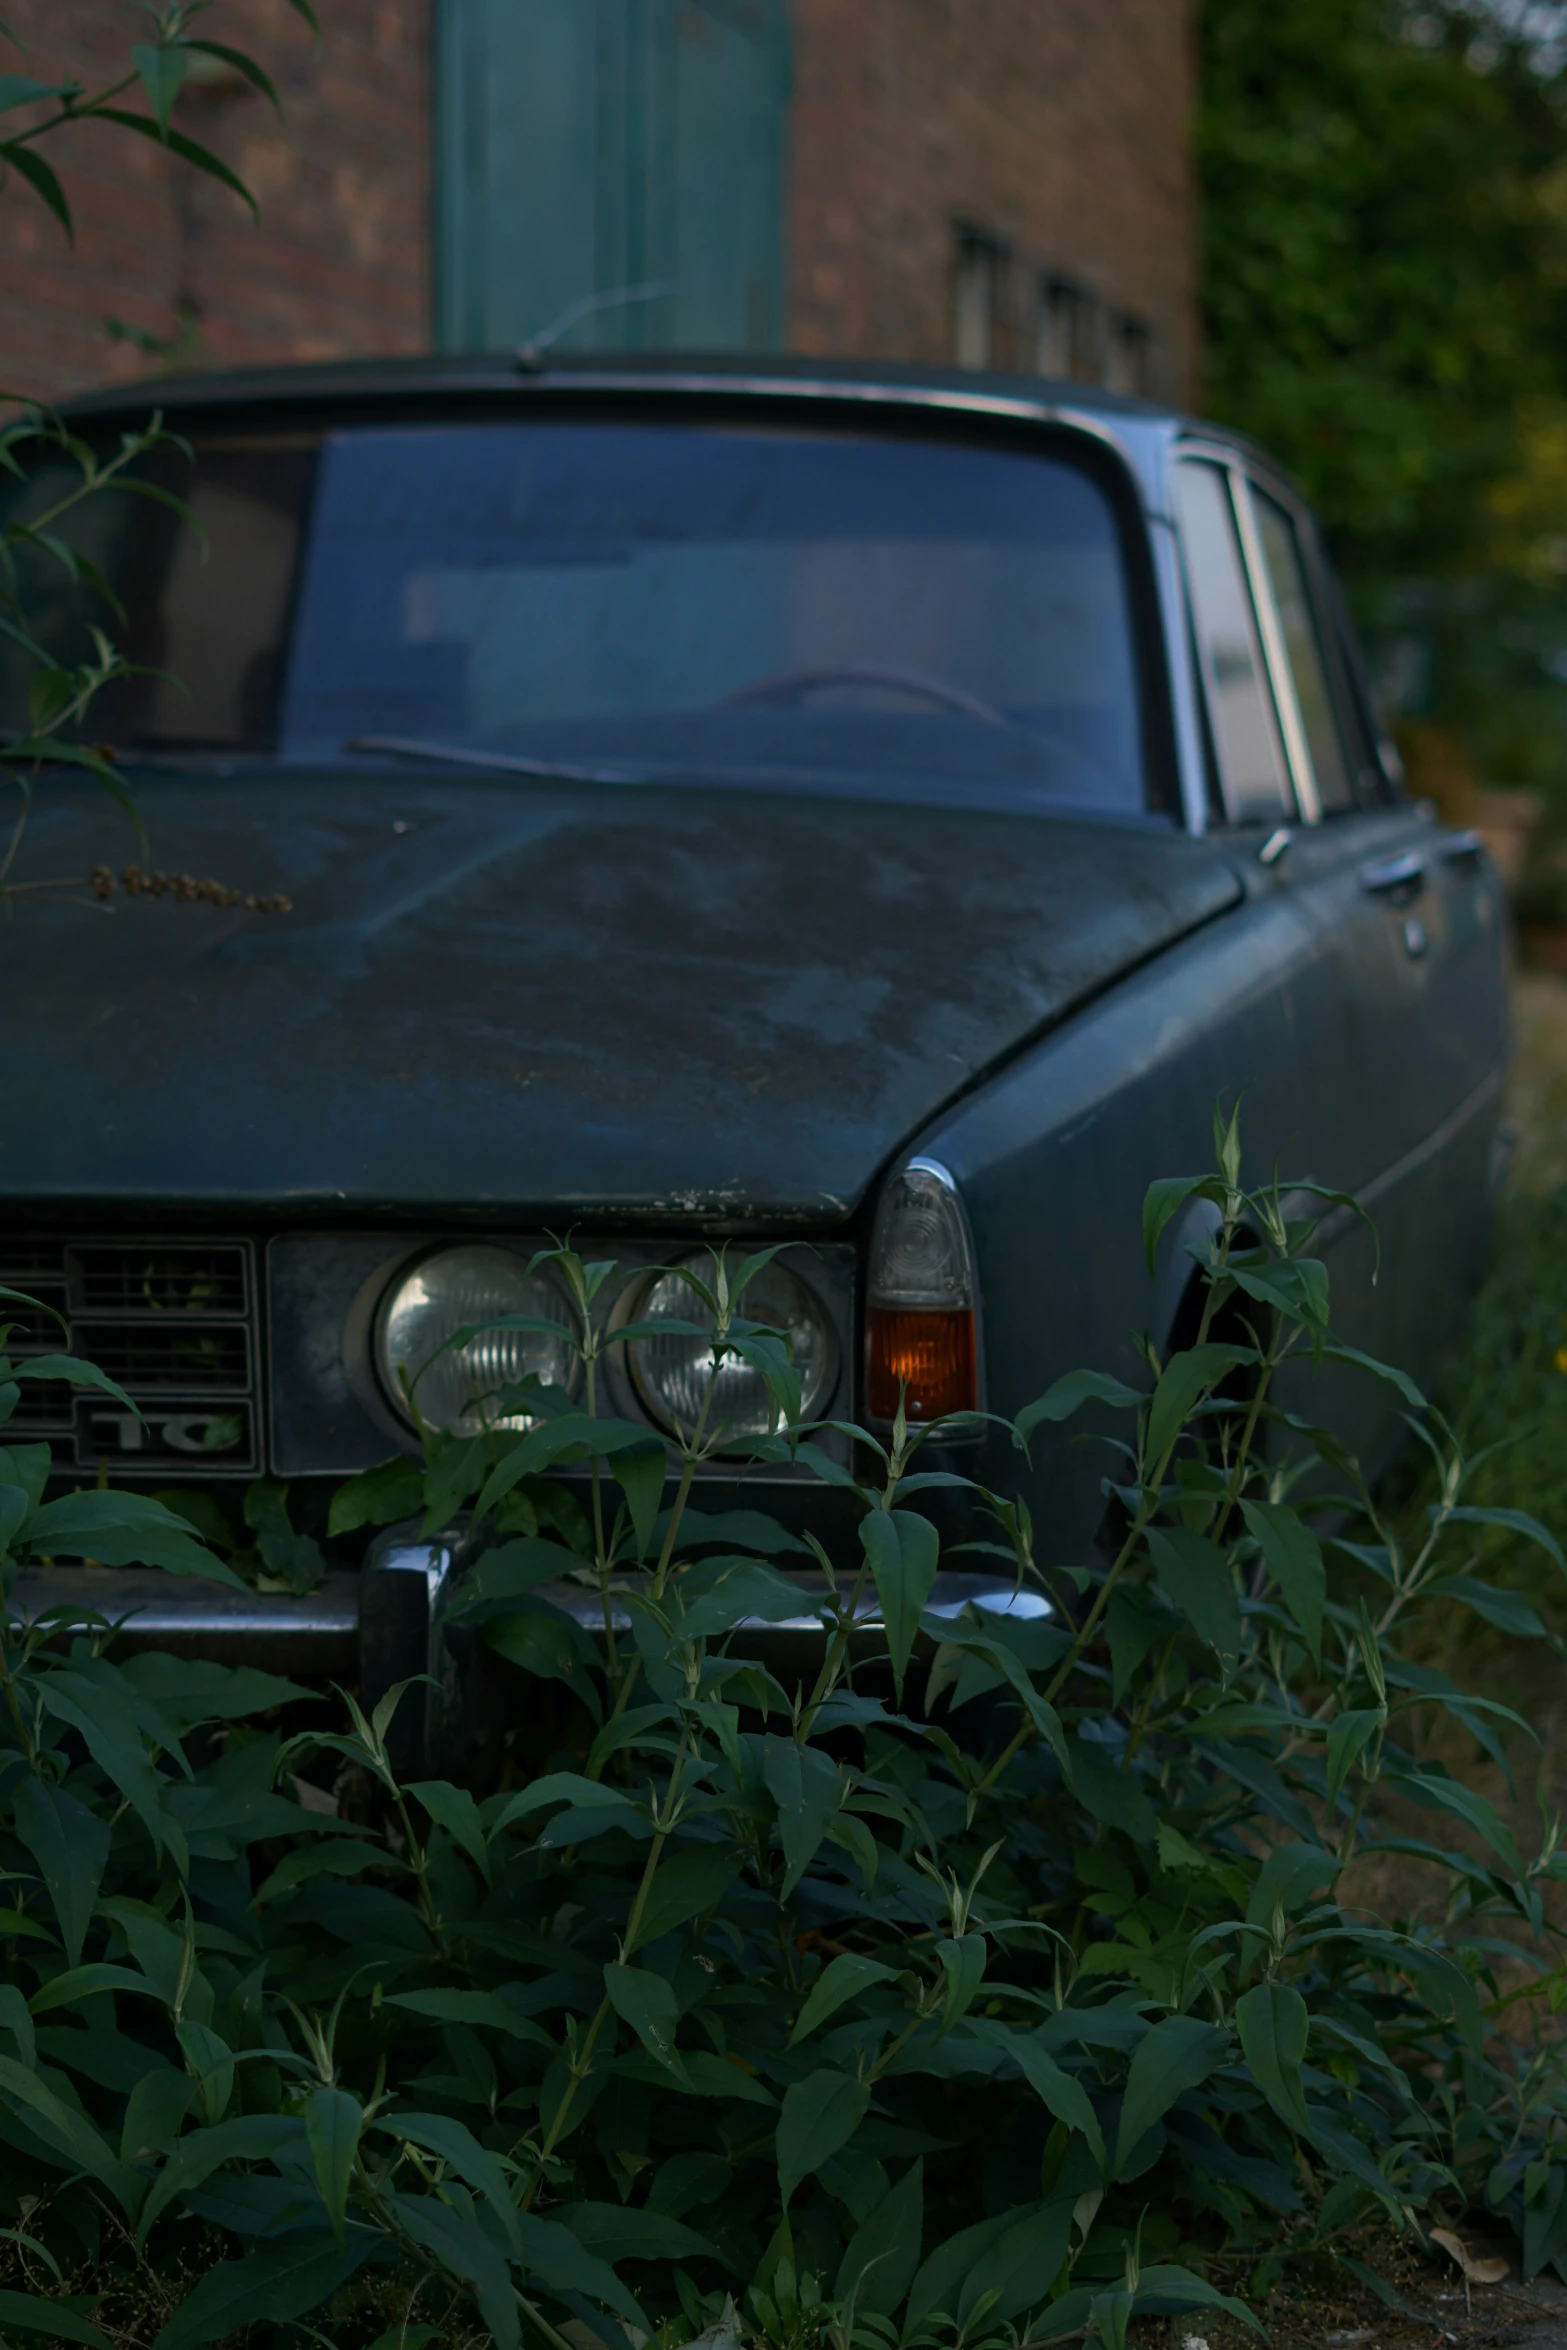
688	596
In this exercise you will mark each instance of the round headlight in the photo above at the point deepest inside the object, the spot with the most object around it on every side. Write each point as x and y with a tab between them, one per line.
446	1292
675	1376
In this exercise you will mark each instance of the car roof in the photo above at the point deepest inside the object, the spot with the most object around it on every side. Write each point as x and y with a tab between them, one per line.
444	376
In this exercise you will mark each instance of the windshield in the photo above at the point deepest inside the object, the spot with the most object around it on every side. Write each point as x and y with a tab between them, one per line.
696	597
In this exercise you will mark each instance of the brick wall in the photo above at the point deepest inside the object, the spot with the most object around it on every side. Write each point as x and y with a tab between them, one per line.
339	261
1058	127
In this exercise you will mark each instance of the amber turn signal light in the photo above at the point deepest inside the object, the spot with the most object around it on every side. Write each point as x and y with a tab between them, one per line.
931	1351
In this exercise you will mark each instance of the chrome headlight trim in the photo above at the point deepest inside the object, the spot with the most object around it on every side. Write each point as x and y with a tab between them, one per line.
669	1392
446	1288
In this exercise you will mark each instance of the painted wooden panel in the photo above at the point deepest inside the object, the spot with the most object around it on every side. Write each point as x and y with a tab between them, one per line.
584	145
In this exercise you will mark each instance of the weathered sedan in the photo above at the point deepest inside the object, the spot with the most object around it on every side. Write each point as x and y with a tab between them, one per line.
871	810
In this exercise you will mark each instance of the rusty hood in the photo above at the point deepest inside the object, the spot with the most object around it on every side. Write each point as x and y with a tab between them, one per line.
507	995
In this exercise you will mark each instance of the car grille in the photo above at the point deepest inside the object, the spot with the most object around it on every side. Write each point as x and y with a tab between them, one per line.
172	1322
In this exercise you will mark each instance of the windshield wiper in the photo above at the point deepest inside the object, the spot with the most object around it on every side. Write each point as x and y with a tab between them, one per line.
414	747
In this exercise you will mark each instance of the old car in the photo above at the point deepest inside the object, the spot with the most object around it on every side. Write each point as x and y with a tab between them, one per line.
874	810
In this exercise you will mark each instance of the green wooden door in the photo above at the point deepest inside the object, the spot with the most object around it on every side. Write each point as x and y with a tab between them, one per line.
583	145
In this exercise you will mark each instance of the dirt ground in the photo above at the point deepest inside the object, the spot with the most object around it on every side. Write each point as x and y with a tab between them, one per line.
1331	2310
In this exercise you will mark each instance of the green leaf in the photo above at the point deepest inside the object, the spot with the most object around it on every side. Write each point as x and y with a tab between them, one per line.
1508	1610
1385	1371
1288	1877
1294	1558
112	1739
211	2064
1195	1574
33	2315
86	1982
939	2286
963	1964
1516	1522
457	2146
903	1552
640	1473
1069	1395
75	1373
544	1642
1271	2019
71	1846
568	1787
808	1788
377	1497
842	1979
41	178
19	89
996	1652
250	2137
647	2003
454	1809
1023	2264
456	2241
455	1471
1111	1794
1055	2088
621	2231
16	2018
1348	1735
573	1432
1296	1286
70	2132
1164	1200
553	2253
154	2111
1184	1383
820	2114
253	73
200	158
333	2121
740	1591
124	1530
271	2286
1466	1805
689	1883
1178	2054
162	70
305	1862
878	2265
486	2010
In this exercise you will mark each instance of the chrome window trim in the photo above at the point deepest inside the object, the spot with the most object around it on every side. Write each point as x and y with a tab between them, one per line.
1186	686
1300	772
1297	749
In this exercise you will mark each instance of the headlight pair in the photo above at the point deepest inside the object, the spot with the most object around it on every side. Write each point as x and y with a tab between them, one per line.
673	1377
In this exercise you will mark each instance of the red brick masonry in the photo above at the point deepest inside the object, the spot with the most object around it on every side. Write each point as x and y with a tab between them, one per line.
339	262
1057	127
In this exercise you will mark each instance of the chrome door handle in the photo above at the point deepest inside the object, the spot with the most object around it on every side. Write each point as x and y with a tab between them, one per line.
1401	877
1463	848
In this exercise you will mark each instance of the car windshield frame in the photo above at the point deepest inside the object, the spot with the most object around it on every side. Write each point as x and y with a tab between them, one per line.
301	418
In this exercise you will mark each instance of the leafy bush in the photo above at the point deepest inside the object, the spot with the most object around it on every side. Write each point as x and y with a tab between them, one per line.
984	1982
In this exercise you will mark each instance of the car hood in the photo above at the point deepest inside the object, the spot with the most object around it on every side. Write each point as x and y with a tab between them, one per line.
538	998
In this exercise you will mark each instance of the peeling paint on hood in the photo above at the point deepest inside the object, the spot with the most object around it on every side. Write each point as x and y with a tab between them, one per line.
545	999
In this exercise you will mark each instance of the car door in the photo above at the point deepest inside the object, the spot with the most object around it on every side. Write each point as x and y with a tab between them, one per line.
1396	1011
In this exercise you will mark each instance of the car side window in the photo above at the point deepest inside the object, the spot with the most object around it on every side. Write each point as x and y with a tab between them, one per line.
1304	657
1246	740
